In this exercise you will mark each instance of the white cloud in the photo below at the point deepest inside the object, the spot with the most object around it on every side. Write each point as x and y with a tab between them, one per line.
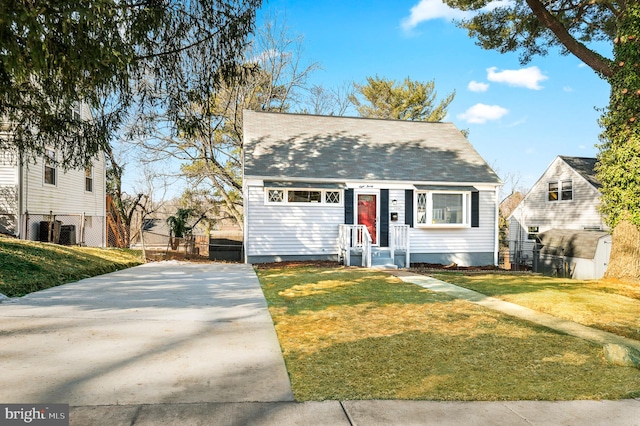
524	77
567	89
475	86
518	122
481	113
427	10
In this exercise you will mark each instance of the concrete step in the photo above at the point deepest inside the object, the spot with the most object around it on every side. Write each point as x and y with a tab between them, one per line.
381	258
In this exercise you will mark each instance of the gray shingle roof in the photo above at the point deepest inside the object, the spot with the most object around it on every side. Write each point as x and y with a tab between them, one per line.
326	147
571	243
585	167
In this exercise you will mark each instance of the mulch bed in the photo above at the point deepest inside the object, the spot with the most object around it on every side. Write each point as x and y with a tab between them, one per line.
314	263
417	267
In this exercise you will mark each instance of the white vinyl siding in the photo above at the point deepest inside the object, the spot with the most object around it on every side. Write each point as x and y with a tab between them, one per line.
460	240
579	213
283	229
68	196
8	175
8	188
398	195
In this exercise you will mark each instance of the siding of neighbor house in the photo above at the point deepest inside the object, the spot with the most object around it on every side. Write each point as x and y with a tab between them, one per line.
556	217
8	174
536	210
67	197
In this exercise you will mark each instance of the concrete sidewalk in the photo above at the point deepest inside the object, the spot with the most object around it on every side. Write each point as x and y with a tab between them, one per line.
367	413
164	332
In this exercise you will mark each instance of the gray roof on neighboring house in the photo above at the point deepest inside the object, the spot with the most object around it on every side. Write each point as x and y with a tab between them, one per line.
573	243
302	146
585	167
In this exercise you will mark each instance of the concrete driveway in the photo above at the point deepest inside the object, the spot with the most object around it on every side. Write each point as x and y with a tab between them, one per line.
166	332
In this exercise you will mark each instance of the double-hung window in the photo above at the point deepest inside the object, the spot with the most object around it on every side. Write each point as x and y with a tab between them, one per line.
88	178
50	171
560	191
443	209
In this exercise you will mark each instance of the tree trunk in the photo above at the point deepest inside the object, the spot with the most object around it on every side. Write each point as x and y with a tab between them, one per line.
619	158
624	262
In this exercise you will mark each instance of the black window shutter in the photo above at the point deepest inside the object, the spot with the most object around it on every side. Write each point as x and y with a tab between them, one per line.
348	207
408	207
384	218
475	209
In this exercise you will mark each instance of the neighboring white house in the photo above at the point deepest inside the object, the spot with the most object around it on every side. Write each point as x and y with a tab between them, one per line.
557	211
39	201
361	190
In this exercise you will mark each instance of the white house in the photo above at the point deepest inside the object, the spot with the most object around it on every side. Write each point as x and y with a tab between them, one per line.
366	191
39	201
561	211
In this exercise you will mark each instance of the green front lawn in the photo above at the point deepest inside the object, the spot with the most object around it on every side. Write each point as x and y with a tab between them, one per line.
604	304
27	266
351	333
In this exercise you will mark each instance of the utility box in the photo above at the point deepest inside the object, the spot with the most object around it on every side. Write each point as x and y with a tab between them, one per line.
50	231
225	249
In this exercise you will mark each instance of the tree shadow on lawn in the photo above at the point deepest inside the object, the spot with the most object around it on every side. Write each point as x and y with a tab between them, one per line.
316	289
436	366
498	284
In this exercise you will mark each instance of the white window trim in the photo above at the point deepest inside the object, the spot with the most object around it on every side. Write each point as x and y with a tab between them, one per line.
466	210
559	182
90	177
54	167
285	200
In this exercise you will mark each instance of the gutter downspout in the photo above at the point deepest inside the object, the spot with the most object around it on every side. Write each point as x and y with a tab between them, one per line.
496	250
21	222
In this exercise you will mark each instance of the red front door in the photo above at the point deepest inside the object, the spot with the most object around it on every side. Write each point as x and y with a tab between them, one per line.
367	213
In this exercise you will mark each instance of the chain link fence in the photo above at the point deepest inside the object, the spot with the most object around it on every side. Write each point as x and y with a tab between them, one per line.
219	245
161	246
80	229
528	255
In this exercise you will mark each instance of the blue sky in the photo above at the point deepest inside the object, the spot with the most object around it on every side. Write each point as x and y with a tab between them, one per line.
520	117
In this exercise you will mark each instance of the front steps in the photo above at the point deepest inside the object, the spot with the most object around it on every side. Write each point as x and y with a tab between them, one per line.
381	258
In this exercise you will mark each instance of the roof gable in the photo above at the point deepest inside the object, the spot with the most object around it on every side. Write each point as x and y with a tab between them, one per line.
585	167
326	147
581	166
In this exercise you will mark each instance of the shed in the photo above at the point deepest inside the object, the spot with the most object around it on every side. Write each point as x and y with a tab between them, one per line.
573	253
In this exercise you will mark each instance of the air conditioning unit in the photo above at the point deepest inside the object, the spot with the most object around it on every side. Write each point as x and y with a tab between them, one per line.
68	235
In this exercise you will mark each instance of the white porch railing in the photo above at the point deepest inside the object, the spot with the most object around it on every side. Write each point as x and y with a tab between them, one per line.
355	237
399	240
